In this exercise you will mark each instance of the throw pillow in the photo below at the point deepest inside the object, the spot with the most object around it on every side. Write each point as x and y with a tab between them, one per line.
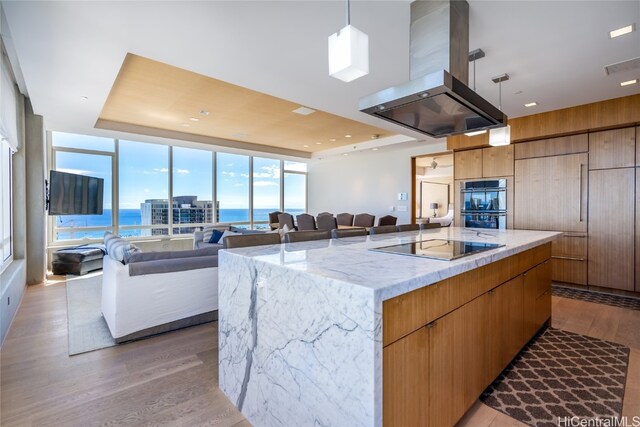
116	248
215	236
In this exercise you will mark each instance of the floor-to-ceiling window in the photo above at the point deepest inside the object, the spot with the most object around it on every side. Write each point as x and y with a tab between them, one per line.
5	204
158	190
143	184
295	187
89	156
266	190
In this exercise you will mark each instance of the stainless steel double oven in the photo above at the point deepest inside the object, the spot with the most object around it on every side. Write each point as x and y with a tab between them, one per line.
484	203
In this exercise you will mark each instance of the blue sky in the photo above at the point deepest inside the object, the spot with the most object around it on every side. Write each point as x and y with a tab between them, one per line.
144	174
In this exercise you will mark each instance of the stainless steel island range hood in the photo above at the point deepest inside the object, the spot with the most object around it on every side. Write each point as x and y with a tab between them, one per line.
436	101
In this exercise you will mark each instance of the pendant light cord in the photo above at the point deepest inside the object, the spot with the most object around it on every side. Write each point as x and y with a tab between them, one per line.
348	13
500	95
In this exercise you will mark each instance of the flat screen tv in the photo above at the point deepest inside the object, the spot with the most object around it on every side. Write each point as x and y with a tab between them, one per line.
71	194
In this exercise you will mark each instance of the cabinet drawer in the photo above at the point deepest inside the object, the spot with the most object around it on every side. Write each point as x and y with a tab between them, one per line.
569	270
570	245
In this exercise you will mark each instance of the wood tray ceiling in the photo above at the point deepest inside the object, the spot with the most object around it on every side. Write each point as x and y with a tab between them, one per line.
155	98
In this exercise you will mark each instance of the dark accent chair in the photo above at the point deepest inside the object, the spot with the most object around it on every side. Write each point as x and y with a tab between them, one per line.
285	218
345	219
245	240
382	229
364	220
387	220
408	227
324	213
348	232
306	222
326	222
273	219
306	236
431	225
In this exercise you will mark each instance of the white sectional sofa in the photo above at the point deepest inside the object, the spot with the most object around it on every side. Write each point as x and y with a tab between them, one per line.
159	291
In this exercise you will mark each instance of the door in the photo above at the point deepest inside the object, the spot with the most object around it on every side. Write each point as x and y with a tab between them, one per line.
406	380
550	193
611	228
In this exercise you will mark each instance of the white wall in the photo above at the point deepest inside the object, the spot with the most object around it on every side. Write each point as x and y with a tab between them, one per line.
367	181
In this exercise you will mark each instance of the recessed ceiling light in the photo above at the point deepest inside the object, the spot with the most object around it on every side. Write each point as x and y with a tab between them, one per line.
194	119
477	132
530	104
186	125
375	149
318	143
375	136
204	112
84	98
347	136
305	146
332	140
345	154
304	111
629	82
622	31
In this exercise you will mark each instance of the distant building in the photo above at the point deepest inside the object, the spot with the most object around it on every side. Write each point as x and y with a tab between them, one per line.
185	210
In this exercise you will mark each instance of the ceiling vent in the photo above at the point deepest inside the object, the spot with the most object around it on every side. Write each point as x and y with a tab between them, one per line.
619	67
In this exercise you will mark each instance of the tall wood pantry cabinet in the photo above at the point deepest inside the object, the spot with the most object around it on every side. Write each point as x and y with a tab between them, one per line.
612	209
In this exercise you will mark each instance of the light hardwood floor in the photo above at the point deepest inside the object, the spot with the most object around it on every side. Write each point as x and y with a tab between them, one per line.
171	379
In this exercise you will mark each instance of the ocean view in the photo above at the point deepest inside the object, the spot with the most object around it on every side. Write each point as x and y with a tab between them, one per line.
130	217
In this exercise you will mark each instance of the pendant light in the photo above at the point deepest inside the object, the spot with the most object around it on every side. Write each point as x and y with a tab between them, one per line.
473	56
348	52
500	136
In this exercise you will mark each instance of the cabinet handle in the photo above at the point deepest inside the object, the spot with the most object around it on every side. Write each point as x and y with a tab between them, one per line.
578	236
580	194
431	325
570	258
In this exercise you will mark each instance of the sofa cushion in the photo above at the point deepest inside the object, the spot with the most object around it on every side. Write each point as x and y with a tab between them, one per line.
215	236
171	265
203	245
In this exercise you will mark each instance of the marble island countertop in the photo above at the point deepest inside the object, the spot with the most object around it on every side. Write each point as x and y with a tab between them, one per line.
349	260
300	325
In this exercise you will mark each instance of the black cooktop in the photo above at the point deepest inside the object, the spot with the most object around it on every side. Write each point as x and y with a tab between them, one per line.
439	248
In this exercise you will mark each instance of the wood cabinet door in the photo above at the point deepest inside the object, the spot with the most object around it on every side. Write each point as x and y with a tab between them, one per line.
536	292
637	196
405	375
510	300
612	148
446	369
467	164
550	193
497	161
611	228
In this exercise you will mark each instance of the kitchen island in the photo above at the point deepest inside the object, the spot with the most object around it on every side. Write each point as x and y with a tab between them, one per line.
332	333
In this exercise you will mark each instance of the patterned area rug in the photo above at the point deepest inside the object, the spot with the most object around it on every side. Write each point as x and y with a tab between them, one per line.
560	374
88	330
596	297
